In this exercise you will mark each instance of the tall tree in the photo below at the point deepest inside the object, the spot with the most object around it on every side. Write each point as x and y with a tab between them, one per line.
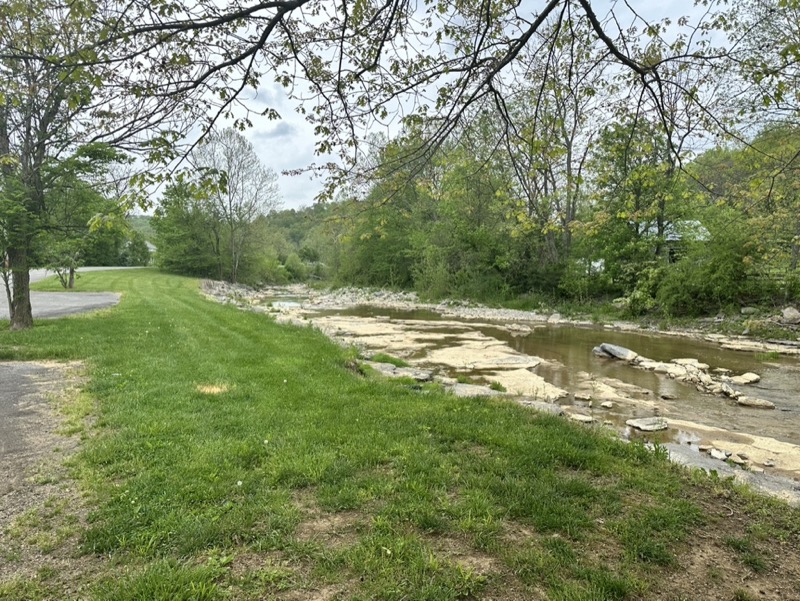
57	94
244	191
354	65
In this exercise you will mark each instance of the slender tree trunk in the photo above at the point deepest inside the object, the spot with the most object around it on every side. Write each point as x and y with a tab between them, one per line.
7	285
21	312
71	283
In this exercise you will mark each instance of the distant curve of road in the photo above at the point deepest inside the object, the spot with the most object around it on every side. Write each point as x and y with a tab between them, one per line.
48	305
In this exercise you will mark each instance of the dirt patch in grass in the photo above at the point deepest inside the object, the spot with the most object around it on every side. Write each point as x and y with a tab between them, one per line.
42	512
737	555
330	529
212	388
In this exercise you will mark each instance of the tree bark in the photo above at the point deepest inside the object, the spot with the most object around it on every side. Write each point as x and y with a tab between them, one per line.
21	312
71	283
7	285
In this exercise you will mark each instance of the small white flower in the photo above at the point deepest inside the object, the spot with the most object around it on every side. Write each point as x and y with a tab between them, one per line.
284	381
239	483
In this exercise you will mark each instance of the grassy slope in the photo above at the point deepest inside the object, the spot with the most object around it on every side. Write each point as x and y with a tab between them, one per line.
298	474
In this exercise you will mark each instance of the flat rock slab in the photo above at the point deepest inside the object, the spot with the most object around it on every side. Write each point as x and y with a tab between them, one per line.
648	424
472	390
525	383
47	305
775	485
391	371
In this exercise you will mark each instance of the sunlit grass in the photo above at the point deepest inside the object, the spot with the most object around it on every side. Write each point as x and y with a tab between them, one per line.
222	434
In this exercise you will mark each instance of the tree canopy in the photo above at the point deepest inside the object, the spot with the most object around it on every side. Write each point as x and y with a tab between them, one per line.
154	77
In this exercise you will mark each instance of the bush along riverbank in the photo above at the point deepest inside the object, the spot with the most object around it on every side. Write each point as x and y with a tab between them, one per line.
229	457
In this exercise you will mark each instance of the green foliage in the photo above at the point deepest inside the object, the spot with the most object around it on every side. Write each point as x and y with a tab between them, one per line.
717	273
296	267
135	251
142	225
185	238
384	358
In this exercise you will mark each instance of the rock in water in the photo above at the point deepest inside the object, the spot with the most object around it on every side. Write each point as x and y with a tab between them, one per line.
648	424
745	401
691	363
618	352
717	454
746	378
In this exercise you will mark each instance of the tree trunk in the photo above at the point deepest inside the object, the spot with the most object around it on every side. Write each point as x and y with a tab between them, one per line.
71	283
21	312
7	286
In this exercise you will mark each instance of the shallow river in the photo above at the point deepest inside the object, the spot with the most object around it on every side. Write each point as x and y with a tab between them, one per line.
566	350
459	346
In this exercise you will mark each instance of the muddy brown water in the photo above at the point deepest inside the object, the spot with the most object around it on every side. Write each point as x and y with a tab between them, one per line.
567	352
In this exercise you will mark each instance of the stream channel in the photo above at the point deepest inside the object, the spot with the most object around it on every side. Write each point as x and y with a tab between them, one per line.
500	350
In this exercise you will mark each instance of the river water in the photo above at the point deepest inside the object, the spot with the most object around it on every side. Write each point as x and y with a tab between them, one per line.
567	351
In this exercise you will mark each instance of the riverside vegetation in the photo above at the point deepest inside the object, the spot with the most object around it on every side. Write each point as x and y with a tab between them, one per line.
224	456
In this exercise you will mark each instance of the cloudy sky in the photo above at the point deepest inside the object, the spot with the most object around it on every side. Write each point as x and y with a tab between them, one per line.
285	144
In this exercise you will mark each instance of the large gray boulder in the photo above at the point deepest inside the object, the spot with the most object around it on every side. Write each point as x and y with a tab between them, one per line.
615	352
790	315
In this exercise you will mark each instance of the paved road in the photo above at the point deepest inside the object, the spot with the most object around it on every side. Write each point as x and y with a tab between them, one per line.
58	304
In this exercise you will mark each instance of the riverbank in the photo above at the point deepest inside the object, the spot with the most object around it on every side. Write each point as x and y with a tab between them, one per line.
229	457
463	344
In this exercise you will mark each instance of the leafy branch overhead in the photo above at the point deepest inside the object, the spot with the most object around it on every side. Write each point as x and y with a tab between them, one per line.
358	66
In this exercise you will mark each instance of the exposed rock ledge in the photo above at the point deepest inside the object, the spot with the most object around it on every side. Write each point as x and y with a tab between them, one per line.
690	371
316	300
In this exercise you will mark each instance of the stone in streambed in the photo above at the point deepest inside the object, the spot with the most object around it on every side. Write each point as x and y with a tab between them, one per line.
691	362
746	378
717	454
648	424
745	401
542	406
790	315
617	352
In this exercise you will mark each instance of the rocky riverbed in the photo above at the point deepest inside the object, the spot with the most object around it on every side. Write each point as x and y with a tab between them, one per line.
705	415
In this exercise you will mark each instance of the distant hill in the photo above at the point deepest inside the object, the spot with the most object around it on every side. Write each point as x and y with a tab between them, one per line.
141	223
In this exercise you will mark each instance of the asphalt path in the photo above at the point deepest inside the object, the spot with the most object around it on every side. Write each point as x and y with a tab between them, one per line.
21	400
48	305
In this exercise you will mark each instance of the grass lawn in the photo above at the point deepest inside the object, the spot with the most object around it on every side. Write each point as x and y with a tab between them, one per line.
227	457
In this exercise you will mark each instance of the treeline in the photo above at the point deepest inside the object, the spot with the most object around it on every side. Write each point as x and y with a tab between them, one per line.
722	231
632	225
620	220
